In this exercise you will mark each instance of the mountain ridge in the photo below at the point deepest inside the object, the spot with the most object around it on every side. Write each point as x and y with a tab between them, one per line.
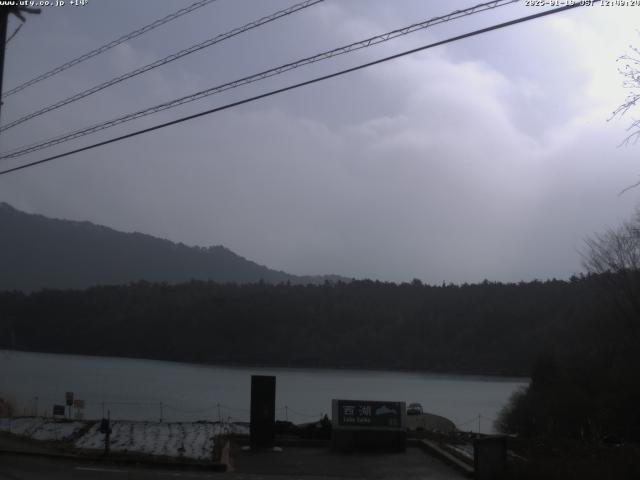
39	252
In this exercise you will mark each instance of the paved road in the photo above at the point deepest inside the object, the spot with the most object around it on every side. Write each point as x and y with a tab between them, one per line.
27	467
306	462
15	443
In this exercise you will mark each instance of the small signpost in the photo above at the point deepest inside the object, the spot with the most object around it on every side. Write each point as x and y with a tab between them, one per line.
368	424
78	407
58	410
68	396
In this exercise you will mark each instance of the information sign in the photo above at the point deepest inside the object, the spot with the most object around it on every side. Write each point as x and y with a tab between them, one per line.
370	414
368	424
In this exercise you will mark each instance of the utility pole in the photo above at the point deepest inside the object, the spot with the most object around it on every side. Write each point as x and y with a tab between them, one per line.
5	11
4	20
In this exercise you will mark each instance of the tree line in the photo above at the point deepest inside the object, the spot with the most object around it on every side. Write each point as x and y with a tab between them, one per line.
592	395
493	328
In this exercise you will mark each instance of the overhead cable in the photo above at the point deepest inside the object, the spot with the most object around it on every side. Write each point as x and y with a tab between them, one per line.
164	61
15	32
257	77
294	86
104	48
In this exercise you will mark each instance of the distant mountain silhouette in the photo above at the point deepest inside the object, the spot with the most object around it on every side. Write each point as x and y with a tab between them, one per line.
38	252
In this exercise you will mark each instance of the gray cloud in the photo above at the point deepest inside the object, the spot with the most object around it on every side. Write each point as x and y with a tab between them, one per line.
489	158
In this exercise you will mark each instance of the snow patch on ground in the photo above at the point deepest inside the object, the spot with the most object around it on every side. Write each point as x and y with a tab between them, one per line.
39	428
465	450
193	440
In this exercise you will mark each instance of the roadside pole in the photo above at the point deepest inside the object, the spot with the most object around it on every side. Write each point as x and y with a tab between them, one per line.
4	20
105	428
107	437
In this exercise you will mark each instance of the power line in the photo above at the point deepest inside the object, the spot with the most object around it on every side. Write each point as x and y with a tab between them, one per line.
462	424
257	77
297	85
181	410
163	61
104	48
308	415
10	9
15	32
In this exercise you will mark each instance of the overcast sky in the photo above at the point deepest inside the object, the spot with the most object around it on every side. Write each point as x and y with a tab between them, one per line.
487	158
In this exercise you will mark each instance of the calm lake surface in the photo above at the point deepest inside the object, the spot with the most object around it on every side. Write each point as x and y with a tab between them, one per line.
150	390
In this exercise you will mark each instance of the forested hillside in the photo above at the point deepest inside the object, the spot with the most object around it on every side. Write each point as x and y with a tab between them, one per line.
38	252
483	328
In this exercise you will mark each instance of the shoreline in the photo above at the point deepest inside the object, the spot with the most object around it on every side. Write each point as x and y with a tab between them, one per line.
494	376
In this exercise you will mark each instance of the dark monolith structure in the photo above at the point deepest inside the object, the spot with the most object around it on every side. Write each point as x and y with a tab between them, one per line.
263	411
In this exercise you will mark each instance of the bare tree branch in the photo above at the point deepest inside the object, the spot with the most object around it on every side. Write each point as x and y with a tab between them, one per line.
615	258
629	68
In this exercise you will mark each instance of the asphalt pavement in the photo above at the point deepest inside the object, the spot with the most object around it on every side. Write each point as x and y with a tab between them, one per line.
305	464
32	467
321	462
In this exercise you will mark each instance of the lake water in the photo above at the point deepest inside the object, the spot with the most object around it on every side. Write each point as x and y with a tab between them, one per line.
149	389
